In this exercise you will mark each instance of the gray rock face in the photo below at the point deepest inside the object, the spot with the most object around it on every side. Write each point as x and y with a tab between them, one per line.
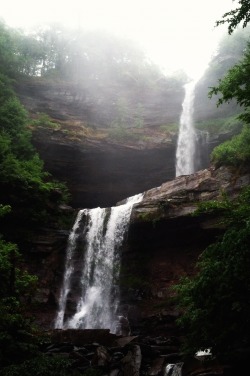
98	105
163	243
101	173
165	239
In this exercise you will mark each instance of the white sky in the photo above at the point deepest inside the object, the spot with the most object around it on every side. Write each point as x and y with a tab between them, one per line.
177	34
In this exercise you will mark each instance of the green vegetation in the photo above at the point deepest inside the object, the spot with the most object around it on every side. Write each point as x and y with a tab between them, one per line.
42	366
44	120
215	126
215	303
111	72
234	17
24	183
172	127
16	341
235	85
235	152
23	179
121	134
28	197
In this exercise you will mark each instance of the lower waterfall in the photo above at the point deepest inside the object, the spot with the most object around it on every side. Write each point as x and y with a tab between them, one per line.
97	235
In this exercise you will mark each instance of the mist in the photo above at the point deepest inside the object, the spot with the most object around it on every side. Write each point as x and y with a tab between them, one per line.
175	35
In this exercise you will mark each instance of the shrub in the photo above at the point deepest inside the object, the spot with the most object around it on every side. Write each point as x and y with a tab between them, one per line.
215	303
235	152
41	366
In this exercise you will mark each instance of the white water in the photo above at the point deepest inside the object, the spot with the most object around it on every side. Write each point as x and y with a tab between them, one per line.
68	271
98	301
186	145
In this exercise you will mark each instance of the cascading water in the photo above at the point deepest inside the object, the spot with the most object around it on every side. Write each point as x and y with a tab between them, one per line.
98	293
186	145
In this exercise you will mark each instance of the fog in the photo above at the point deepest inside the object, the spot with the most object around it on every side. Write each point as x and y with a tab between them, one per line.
175	34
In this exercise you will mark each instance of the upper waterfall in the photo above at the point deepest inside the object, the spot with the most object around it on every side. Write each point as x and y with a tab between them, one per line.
96	281
186	145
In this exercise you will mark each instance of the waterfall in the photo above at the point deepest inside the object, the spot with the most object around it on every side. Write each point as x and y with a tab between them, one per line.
202	150
98	275
186	145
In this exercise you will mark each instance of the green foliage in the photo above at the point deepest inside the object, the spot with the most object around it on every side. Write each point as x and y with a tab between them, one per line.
4	209
234	17
23	179
41	366
16	341
235	152
235	85
172	127
215	303
215	126
28	195
14	281
44	120
121	134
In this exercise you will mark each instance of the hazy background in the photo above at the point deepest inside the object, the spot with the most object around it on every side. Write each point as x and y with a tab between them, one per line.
175	34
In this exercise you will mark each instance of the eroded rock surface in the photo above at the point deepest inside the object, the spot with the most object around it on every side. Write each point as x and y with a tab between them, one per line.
165	240
163	243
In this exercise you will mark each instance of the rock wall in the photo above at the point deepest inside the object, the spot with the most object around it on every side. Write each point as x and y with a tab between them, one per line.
165	239
99	105
163	243
101	173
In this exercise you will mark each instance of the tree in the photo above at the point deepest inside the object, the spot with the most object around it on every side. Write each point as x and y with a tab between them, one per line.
216	303
16	285
235	85
234	17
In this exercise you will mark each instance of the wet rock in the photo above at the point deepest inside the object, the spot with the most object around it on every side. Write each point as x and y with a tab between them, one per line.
157	367
80	337
101	357
124	327
131	363
124	340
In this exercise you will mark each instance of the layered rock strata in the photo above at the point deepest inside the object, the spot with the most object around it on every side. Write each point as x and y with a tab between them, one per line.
163	243
165	239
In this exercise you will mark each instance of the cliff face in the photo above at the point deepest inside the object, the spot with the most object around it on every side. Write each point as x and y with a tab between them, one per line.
165	239
100	169
163	243
103	102
100	173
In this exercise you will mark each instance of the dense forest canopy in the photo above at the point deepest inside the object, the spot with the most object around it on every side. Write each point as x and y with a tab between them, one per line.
109	77
78	56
